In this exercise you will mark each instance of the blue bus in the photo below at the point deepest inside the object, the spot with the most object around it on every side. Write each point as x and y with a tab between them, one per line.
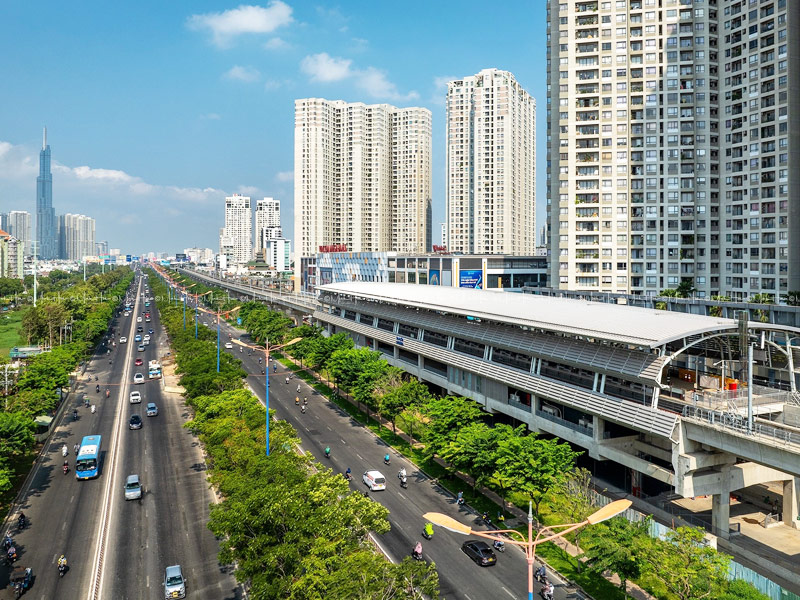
88	464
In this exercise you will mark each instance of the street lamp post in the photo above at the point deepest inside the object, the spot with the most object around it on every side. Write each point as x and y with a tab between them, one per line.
266	377
529	544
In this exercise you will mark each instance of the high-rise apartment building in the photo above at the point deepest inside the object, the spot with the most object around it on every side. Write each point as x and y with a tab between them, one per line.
491	165
76	236
19	226
668	146
268	222
101	248
412	210
46	225
236	238
362	176
276	254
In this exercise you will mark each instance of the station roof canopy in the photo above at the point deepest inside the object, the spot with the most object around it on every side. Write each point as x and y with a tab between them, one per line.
598	320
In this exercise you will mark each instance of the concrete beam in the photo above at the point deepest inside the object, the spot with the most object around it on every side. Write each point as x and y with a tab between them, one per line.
609	452
653	450
738	476
783	457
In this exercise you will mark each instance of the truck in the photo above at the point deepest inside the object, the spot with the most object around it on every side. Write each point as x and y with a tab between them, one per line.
154	369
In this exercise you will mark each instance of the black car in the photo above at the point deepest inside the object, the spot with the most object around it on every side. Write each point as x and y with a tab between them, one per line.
480	552
139	329
135	422
150	331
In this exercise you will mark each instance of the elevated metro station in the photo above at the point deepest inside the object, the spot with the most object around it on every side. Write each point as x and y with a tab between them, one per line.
659	400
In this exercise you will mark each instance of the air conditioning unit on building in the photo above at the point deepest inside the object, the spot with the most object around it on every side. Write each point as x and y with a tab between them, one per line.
551	410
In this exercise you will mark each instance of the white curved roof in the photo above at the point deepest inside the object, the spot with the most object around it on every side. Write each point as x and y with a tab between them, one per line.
613	322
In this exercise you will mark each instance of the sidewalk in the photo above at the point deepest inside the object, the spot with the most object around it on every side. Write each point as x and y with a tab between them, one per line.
520	517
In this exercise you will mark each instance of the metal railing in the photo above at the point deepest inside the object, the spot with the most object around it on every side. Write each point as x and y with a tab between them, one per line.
588	431
738	424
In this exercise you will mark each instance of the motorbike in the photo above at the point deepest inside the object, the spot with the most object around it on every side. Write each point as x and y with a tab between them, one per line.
404	482
545	593
97	388
22	522
64	450
74	415
287	380
21	580
348	476
11	555
541	576
65	468
62	568
93	408
416	553
327	452
499	545
296	401
108	393
303	409
7	542
427	532
387	459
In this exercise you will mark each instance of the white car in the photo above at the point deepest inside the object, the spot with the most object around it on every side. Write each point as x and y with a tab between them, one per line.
136	397
123	340
138	319
228	345
374	480
138	378
146	338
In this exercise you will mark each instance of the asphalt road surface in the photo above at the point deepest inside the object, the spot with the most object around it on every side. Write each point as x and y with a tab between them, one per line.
353	446
118	549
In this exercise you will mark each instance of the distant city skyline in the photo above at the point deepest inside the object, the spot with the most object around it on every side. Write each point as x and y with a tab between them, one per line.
156	120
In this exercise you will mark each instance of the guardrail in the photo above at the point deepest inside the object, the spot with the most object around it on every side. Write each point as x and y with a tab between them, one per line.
738	424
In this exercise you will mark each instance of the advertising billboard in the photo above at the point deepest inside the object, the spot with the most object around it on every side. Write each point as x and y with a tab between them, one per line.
470	278
433	277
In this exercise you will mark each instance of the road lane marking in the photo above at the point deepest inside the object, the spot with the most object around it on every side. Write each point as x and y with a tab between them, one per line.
507	592
96	586
72	499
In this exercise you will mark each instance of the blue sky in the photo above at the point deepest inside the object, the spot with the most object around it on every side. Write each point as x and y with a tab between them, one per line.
156	110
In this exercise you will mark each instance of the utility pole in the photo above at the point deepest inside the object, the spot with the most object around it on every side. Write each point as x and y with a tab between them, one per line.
35	268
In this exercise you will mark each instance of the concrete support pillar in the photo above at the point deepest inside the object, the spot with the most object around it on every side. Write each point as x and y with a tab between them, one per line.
791	502
721	506
598	428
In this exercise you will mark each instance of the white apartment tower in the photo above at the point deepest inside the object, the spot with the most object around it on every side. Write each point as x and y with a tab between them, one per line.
268	222
491	165
19	226
236	238
76	236
362	177
669	146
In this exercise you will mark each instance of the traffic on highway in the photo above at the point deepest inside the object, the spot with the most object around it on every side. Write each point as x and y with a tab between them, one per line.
117	503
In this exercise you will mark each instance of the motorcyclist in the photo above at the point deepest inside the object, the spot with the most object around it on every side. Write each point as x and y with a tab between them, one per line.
64	450
93	408
259	360
65	467
75	414
7	541
429	530
460	498
297	400
298	388
108	393
287	380
303	409
540	574
62	562
548	591
97	388
348	474
22	521
11	554
417	552
499	545
305	400
327	451
402	473
387	458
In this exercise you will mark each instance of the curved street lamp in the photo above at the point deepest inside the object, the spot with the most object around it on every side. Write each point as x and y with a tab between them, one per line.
529	544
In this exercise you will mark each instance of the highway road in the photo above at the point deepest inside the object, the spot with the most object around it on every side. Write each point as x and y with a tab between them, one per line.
353	446
119	549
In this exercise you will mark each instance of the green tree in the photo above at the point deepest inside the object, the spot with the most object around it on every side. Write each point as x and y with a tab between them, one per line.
688	568
716	311
409	393
446	415
473	450
685	288
16	435
616	545
535	465
578	495
739	589
792	298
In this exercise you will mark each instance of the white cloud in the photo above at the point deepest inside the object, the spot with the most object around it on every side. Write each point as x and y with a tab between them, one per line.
324	68
87	173
210	117
276	43
247	190
239	73
228	24
284	176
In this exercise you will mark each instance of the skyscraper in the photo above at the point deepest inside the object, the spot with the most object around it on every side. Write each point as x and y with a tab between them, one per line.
491	165
236	237
669	127
362	177
19	226
268	222
46	235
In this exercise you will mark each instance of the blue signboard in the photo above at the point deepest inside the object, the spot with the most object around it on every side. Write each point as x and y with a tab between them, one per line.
127	258
399	341
135	258
107	261
471	278
433	277
238	320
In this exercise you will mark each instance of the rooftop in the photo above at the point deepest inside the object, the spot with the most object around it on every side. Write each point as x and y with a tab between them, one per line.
617	323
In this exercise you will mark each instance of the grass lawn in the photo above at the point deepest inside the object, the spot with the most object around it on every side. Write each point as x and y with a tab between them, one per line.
10	325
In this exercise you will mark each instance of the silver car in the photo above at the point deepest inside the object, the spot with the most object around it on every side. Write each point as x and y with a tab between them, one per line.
133	489
174	583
